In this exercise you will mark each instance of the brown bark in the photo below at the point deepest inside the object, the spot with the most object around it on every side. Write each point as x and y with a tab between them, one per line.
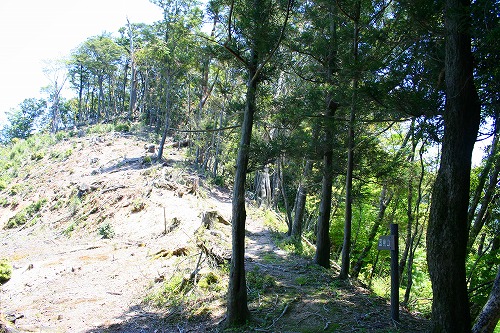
322	255
237	308
300	202
346	248
447	231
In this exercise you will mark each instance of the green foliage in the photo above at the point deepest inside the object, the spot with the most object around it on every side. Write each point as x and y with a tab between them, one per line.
210	281
22	121
100	129
37	156
5	271
122	127
170	293
106	231
26	214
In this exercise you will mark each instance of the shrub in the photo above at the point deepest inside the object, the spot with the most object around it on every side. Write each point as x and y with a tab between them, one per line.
5	270
37	156
106	231
122	127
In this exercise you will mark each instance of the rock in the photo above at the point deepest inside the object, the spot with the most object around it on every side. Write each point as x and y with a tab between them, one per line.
150	148
84	189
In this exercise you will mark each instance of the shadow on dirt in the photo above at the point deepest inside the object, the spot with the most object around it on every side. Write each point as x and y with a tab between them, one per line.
139	320
286	293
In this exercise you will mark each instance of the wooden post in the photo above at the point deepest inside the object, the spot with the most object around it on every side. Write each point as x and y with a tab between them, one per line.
165	220
394	274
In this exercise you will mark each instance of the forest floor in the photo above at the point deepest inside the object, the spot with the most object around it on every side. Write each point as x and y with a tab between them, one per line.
118	245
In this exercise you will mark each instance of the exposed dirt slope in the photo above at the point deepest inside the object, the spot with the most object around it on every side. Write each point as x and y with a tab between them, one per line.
68	278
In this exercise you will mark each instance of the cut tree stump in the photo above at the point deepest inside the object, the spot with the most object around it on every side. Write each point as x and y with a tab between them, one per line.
209	218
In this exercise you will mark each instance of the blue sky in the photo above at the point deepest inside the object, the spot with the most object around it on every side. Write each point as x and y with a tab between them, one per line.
33	31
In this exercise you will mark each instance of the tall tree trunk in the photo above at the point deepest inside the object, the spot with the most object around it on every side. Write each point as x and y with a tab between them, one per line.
80	94
488	197
476	197
237	308
409	205
447	231
281	186
322	256
133	80
346	247
490	315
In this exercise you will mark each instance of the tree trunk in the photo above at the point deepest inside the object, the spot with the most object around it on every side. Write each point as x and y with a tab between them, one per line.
281	185
346	247
133	80
490	315
300	202
322	256
484	175
485	204
167	119
237	308
447	231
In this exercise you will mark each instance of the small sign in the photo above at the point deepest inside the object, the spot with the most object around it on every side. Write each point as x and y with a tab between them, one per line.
386	243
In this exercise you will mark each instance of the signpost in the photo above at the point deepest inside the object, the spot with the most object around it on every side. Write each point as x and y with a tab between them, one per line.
391	243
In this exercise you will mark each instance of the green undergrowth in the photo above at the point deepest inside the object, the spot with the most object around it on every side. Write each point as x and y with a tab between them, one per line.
5	270
190	297
27	214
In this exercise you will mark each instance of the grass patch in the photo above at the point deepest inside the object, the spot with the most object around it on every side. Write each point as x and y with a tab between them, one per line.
26	214
259	282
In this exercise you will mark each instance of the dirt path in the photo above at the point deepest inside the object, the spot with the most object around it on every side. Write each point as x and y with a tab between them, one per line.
67	278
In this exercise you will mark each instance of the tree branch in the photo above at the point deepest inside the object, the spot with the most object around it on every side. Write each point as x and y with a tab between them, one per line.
206	130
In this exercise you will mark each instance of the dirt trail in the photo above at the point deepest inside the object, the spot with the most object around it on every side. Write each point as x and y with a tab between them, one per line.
67	278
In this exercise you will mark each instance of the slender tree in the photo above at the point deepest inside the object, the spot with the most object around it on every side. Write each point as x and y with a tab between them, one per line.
253	35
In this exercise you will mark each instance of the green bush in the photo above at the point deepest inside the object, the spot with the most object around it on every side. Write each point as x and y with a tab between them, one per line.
5	270
122	127
37	156
106	231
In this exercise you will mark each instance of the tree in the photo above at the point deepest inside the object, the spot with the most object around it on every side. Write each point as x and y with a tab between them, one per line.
489	317
253	35
56	73
174	51
22	121
447	230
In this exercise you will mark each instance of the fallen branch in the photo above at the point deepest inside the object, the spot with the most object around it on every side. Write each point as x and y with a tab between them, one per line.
279	317
112	188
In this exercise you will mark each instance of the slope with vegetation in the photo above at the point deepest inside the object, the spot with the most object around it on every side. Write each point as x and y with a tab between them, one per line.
343	117
121	244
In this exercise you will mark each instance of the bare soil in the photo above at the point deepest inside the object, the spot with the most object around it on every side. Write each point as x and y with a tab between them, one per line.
68	278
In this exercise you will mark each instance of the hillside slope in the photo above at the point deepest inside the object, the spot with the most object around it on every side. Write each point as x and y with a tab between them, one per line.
96	235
